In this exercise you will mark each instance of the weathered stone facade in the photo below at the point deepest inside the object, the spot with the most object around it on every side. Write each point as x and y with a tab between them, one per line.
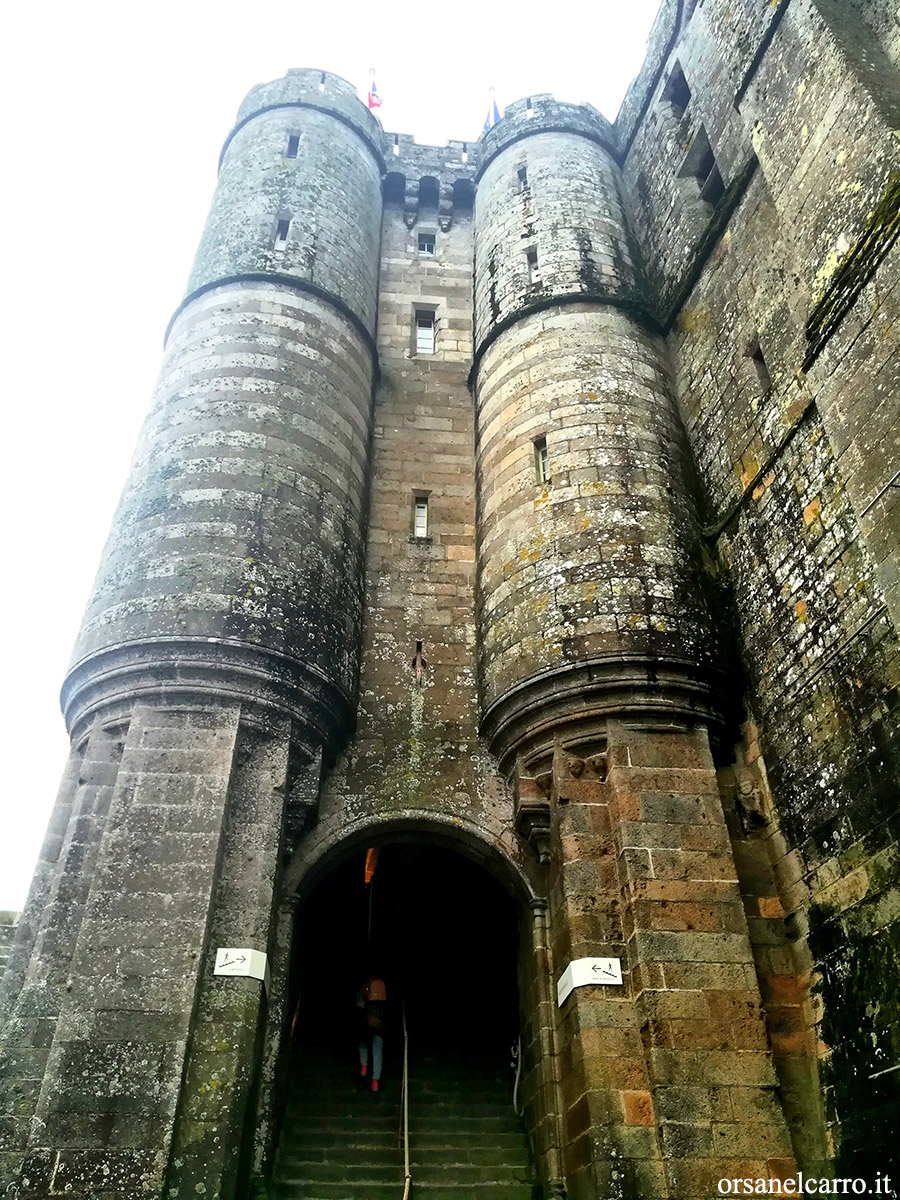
581	561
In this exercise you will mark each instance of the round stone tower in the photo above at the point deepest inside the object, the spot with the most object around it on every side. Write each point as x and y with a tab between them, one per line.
589	595
234	566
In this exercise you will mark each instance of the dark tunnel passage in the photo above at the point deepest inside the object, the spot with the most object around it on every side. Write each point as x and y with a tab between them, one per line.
442	933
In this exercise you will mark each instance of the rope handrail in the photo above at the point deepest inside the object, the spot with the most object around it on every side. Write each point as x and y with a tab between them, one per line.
407	1178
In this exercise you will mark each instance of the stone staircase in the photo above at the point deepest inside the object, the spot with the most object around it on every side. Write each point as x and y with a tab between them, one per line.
340	1142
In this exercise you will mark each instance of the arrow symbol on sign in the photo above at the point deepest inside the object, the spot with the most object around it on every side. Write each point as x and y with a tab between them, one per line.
230	962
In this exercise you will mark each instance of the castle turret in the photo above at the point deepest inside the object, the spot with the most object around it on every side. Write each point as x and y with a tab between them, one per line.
596	655
215	671
234	562
587	555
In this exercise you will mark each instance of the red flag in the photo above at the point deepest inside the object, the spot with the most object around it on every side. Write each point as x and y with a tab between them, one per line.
371	863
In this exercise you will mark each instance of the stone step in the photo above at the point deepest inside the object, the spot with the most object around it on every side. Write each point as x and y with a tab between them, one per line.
378	1110
306	1159
358	1173
341	1142
315	1140
439	1191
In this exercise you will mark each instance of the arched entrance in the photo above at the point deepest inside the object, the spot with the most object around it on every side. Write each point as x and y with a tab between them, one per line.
447	937
437	927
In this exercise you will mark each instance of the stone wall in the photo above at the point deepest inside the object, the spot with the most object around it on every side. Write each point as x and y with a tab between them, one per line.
780	296
8	922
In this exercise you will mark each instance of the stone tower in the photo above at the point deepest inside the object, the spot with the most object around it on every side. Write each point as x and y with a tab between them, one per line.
565	583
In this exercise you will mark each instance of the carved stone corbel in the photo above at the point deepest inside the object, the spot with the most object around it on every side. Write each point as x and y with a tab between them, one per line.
532	814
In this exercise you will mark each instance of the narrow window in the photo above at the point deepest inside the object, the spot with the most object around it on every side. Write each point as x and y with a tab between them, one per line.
420	517
534	270
322	83
541	460
529	110
522	174
424	332
396	143
281	233
293	145
426	245
677	92
757	358
465	152
419	664
700	164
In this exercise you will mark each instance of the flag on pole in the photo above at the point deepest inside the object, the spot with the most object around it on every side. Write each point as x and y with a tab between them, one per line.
371	863
493	112
374	98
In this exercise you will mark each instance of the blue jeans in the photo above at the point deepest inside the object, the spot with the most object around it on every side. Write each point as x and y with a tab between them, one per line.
377	1054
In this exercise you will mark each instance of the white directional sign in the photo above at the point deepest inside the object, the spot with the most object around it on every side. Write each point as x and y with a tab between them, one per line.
587	971
251	963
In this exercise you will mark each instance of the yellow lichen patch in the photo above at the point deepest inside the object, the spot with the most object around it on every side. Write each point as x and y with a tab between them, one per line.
533	552
811	511
800	610
691	319
747	469
833	260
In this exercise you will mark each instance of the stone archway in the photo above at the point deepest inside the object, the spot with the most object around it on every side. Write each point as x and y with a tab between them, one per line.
462	898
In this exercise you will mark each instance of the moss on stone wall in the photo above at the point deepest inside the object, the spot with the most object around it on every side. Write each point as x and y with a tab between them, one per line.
859	975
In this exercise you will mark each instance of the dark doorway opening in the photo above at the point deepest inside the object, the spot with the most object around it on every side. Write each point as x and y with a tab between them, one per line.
442	933
438	928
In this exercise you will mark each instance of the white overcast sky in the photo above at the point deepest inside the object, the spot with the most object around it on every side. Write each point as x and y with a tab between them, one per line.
114	114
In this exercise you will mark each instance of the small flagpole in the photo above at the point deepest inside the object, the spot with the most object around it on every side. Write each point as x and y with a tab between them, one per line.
373	98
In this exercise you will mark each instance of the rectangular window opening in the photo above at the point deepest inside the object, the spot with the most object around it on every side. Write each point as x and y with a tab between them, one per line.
281	233
420	517
322	82
426	245
760	368
424	332
677	92
293	145
541	460
700	164
529	109
465	152
534	269
714	188
522	175
396	143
